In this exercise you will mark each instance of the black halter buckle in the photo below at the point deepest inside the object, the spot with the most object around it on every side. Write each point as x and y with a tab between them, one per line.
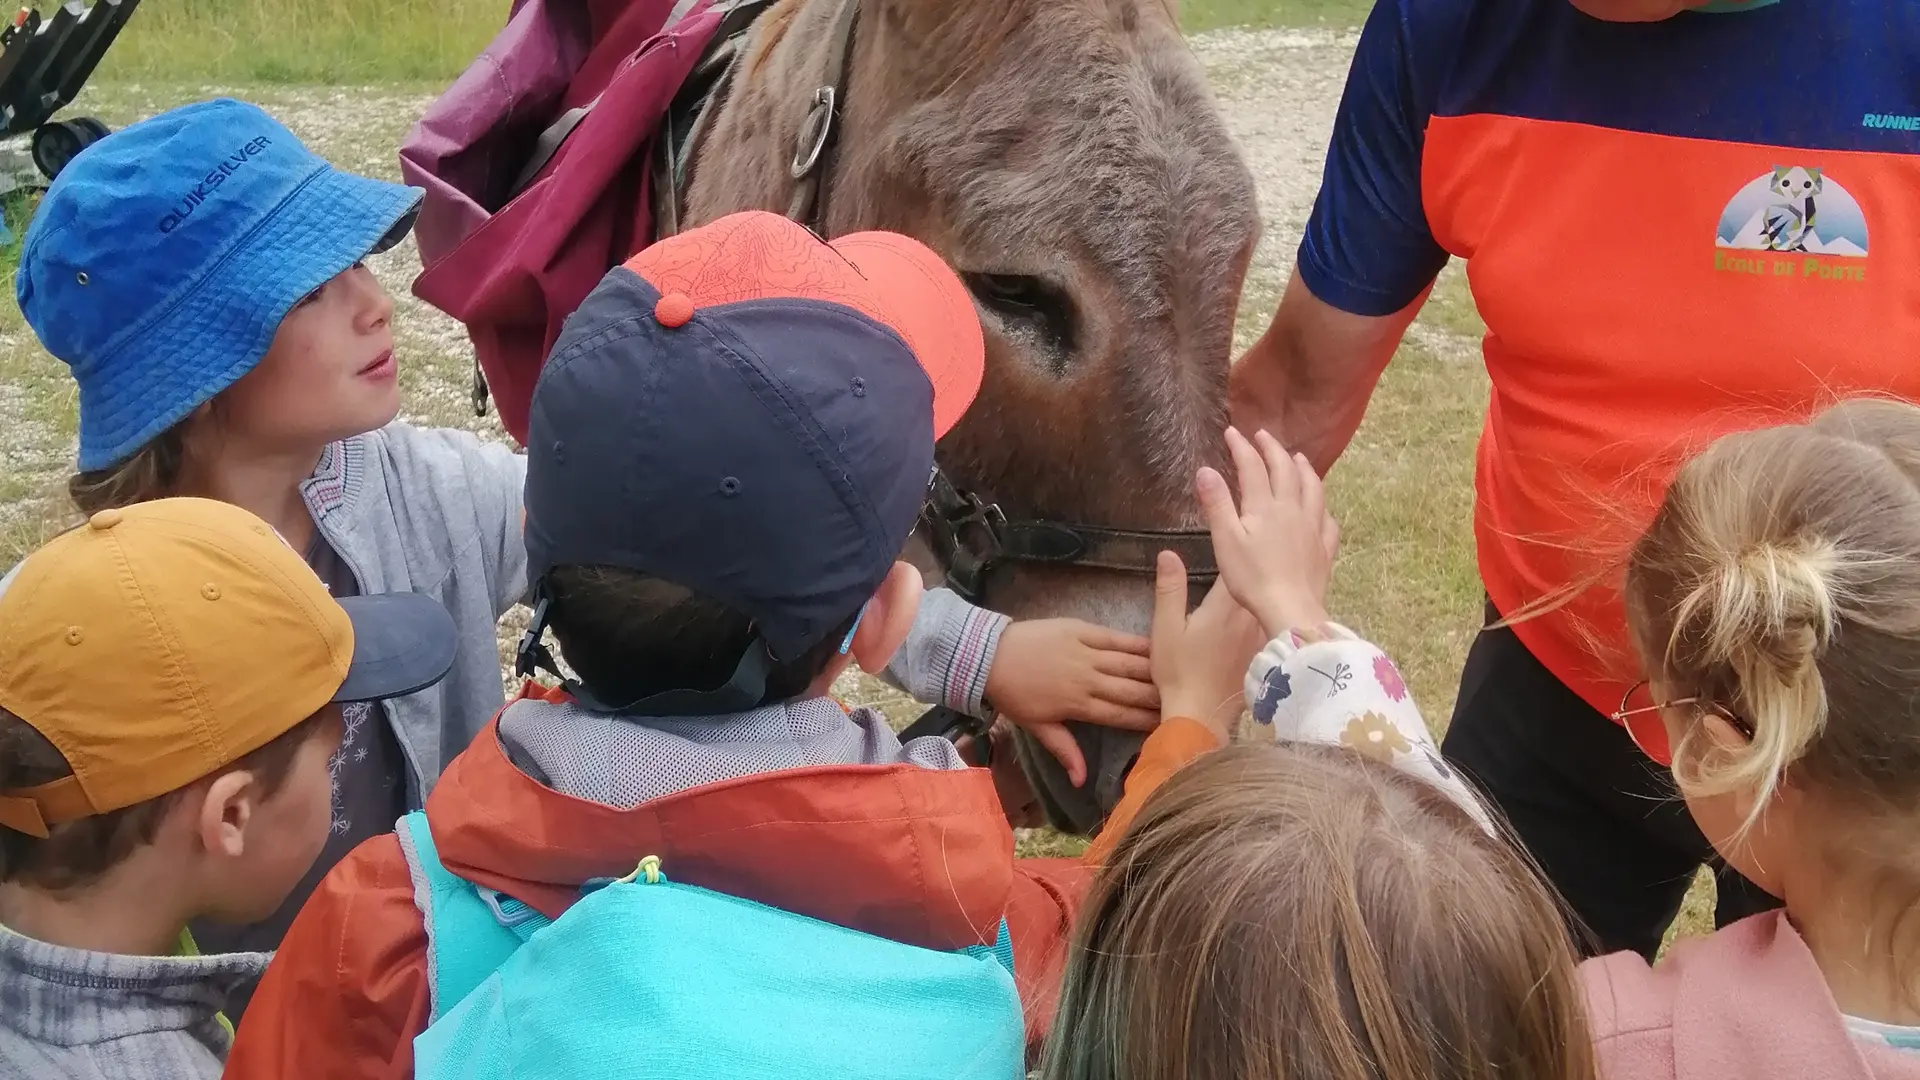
964	532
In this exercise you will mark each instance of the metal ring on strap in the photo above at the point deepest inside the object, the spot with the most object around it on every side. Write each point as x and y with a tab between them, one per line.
814	133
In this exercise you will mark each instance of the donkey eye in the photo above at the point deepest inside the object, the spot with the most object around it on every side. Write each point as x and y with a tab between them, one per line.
1015	289
1031	310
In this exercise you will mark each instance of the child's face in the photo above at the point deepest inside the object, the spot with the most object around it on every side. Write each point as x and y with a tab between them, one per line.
284	832
330	373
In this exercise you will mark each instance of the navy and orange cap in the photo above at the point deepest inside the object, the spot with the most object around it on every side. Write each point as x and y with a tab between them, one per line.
750	412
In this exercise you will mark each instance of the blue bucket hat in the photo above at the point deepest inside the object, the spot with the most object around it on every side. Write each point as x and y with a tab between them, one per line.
164	257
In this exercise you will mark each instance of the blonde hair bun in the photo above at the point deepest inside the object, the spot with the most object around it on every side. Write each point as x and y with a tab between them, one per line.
1780	577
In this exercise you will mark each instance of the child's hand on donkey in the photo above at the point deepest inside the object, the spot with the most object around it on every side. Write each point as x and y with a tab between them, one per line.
1276	550
1200	660
1049	671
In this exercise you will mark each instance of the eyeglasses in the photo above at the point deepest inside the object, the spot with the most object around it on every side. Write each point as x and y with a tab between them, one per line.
1640	715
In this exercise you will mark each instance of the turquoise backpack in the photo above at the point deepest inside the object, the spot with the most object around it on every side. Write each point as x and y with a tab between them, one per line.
643	979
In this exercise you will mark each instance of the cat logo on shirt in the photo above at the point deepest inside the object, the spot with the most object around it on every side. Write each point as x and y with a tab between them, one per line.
1799	222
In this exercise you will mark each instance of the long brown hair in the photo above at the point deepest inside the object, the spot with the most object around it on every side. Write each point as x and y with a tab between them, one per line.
152	472
1305	912
1779	584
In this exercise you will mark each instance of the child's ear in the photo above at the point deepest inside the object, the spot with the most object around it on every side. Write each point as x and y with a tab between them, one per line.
889	618
1722	736
1715	742
222	812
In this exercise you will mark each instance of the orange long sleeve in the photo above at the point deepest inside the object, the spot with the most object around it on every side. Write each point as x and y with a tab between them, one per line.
1175	743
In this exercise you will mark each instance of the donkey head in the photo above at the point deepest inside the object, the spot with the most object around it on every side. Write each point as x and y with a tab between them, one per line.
1067	158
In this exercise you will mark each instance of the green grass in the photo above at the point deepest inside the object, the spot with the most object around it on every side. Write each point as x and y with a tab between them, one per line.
33	396
1198	15
38	403
353	42
16	207
302	41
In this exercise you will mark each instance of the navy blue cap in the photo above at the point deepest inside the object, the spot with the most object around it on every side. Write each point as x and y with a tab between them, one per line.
738	410
403	642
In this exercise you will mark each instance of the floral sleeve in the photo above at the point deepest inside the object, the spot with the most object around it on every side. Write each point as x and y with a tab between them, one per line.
1335	688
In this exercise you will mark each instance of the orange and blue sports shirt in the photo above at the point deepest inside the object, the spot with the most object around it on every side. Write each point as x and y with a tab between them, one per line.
1672	230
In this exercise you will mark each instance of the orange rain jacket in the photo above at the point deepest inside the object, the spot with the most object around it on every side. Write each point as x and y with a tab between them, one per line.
914	854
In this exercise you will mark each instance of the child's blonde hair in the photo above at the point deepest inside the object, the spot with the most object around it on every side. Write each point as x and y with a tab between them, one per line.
1303	911
1779	585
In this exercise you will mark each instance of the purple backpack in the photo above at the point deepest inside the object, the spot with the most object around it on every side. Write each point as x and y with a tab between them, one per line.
538	163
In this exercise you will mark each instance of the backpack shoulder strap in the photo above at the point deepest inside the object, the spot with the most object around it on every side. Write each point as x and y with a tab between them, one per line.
470	931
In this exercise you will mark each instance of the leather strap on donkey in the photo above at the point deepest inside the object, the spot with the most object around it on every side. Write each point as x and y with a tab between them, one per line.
969	537
687	121
684	127
819	135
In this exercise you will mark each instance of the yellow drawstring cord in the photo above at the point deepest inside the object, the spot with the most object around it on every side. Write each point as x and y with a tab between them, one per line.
649	868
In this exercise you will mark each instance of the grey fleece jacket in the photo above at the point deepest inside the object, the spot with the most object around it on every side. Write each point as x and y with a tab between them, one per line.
434	511
68	1014
438	511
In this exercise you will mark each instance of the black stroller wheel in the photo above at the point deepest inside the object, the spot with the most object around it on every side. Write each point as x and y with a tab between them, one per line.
57	143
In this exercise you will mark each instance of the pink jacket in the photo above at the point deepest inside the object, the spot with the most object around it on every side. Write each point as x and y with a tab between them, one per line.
1747	1002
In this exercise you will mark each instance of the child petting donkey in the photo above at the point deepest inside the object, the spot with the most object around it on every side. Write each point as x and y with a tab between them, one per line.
691	861
241	350
1332	904
1306	910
